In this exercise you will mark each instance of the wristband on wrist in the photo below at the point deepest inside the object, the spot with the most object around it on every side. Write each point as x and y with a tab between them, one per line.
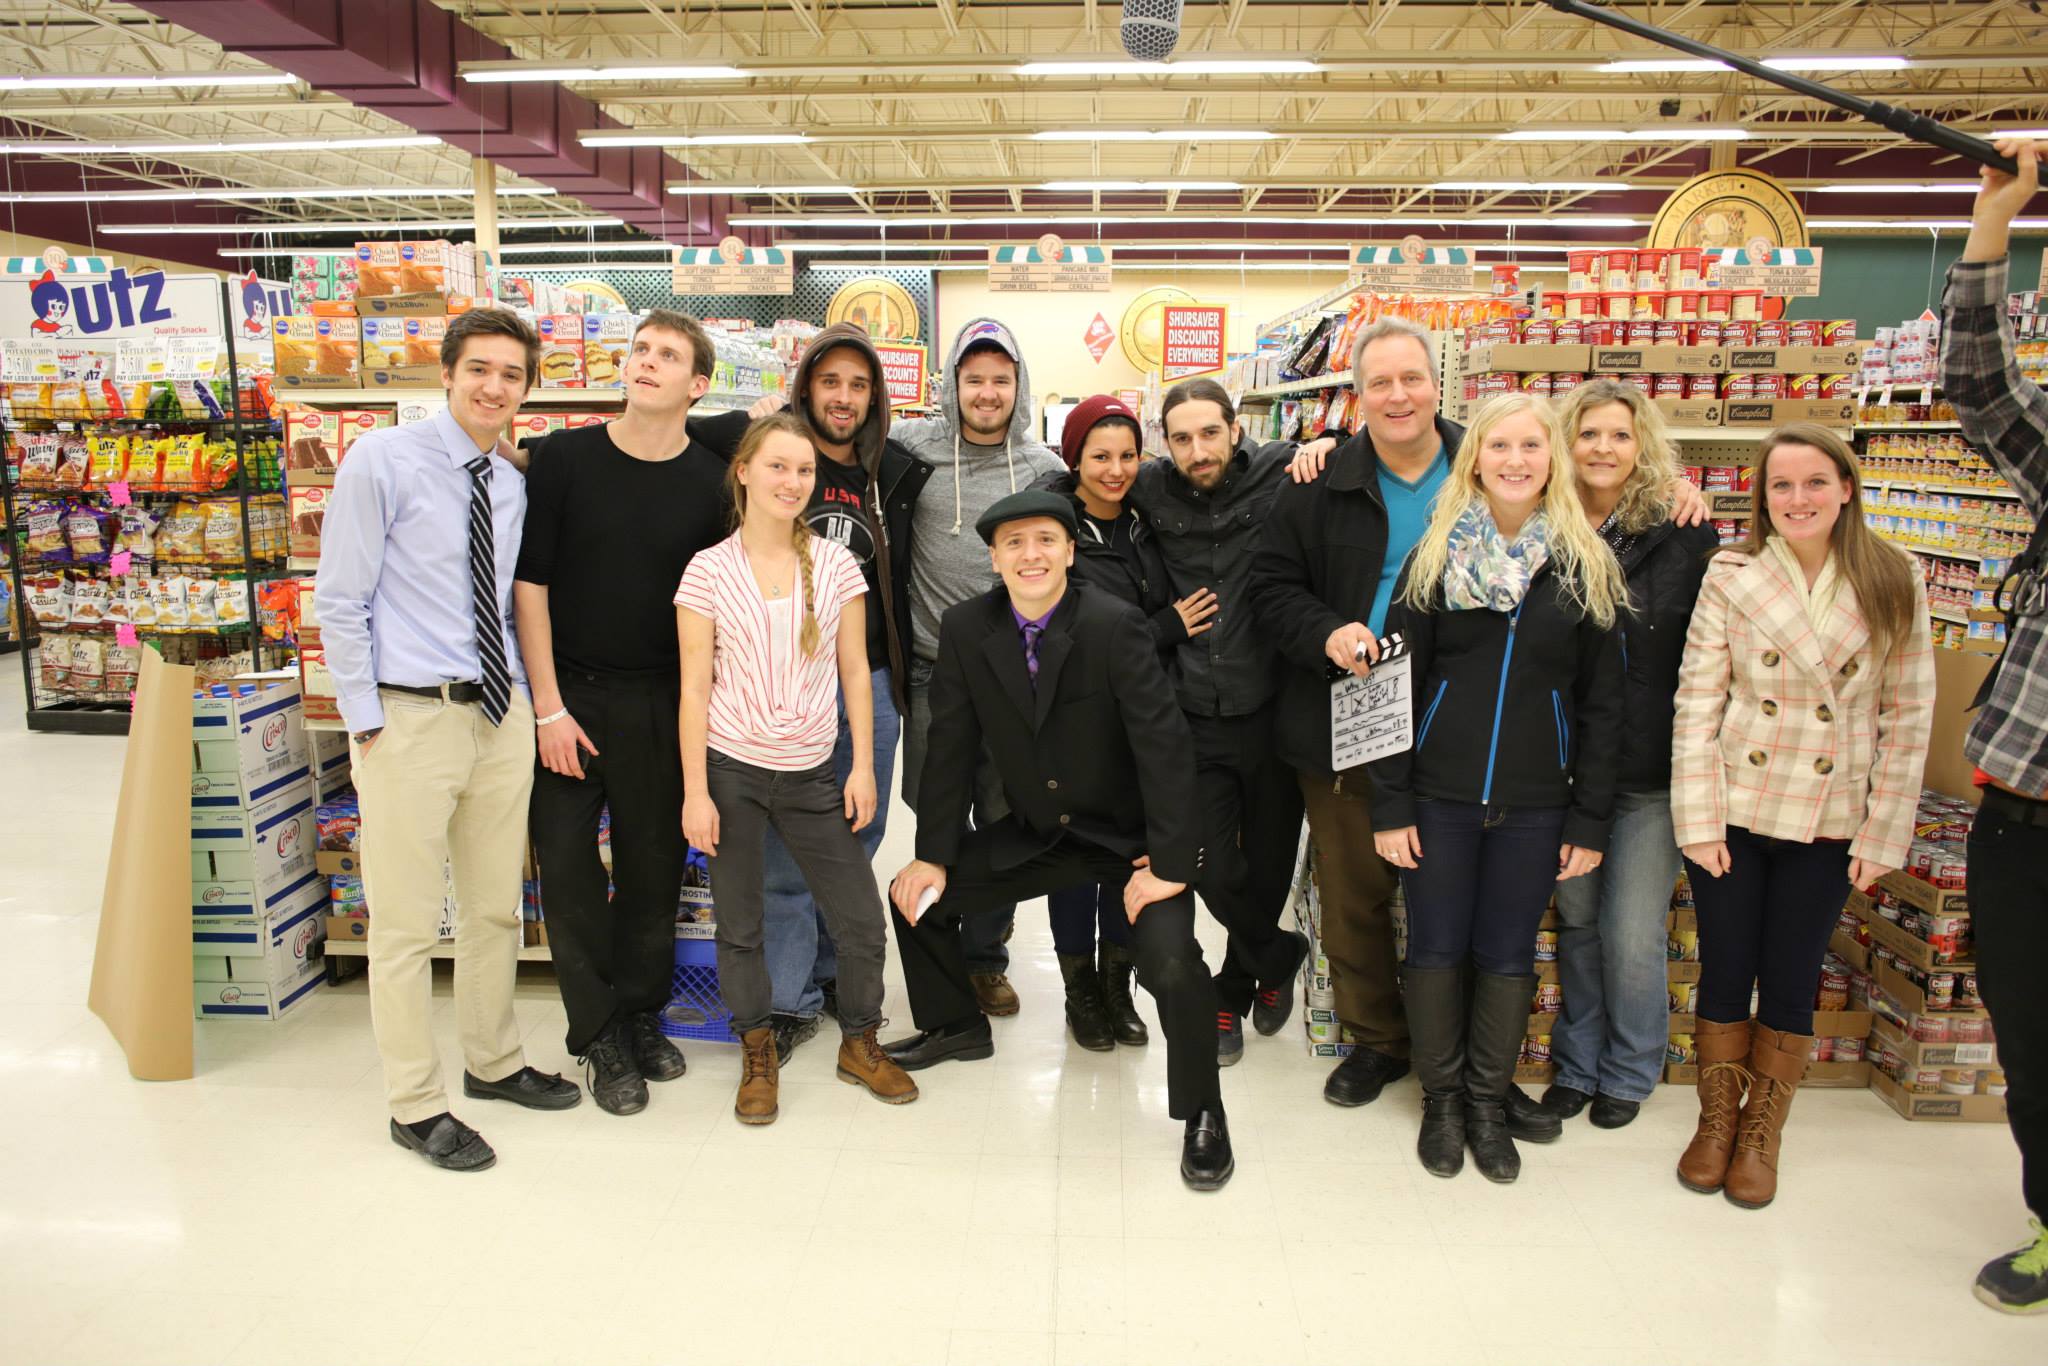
552	717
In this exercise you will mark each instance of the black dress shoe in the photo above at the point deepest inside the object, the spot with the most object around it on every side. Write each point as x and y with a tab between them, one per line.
1441	1144
1359	1079
1275	999
534	1090
791	1030
615	1082
966	1042
450	1145
1530	1121
1565	1101
653	1053
1611	1113
1205	1160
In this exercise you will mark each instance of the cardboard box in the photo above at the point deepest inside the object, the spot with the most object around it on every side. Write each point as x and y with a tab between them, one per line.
1663	360
1562	359
418	408
247	899
1774	412
1953	1109
1925	896
1905	944
226	949
339	862
1845	947
253	1000
312	445
354	928
1736	505
1918	1054
607	338
1796	360
1909	998
256	735
316	681
416	306
309	516
317	353
1690	412
402	351
1535	1073
1842	1024
561	350
402	270
1838	1076
279	837
1677	971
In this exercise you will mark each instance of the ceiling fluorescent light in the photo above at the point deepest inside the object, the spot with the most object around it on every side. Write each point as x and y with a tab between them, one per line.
241	195
285	251
2004	133
1232	267
52	148
593	248
304	229
882	248
1865	187
1670	132
1829	224
1833	63
692	139
650	72
698	187
170	80
1645	66
1509	186
586	267
1439	225
1141	185
1153	135
1195	66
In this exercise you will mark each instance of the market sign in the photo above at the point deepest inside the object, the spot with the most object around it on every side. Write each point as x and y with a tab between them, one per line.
1049	266
733	267
1413	268
903	373
1193	343
1787	272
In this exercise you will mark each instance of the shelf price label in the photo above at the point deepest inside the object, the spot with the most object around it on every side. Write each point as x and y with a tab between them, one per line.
191	357
138	359
29	361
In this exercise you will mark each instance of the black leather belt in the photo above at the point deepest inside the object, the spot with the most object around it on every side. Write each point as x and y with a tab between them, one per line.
454	692
2014	807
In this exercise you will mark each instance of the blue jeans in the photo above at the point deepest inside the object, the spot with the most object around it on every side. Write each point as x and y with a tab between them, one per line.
1479	889
799	949
1077	913
1611	956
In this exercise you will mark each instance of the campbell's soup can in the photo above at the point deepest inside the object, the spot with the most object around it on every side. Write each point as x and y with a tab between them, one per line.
1535	382
1738	332
1682	268
1959	1081
1570	332
1773	332
1804	331
1927	1079
1837	386
1991	1081
1701	386
1670	334
1599	332
1769	386
1643	380
1802	386
1641	332
1718	304
1967	1030
1823	1049
1746	303
1668	386
1727	529
1849	1050
1932	1028
1740	386
1682	304
1539	332
1966	995
1693	473
1494	384
1838	332
1621	272
1617	307
1646	303
1650	271
1579	266
1707	331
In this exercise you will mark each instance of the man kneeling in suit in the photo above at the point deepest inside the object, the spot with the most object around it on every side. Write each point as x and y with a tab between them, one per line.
1063	685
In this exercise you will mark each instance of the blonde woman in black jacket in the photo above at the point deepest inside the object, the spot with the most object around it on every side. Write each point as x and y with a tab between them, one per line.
1509	605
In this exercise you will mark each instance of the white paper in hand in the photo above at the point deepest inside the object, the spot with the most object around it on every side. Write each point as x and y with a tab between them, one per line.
925	901
1374	716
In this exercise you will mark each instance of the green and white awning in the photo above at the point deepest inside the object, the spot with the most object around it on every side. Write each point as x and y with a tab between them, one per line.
708	256
1782	256
80	265
1394	256
1070	255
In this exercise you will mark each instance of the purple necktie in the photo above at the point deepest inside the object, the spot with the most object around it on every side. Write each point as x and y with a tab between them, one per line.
1032	631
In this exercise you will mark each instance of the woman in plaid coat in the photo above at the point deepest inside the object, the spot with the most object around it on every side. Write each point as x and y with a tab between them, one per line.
1805	701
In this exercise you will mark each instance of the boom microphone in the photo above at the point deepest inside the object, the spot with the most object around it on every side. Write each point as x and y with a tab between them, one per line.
1151	28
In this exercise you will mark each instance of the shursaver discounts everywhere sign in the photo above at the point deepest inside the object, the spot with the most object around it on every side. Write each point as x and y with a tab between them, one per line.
903	373
1193	340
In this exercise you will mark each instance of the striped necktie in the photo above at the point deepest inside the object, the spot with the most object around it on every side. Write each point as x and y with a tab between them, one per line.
483	589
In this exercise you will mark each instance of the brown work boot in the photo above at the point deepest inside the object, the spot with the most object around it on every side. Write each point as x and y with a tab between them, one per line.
758	1078
992	991
1777	1063
1723	1080
863	1063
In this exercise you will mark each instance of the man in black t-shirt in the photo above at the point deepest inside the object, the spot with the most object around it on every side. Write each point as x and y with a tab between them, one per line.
613	515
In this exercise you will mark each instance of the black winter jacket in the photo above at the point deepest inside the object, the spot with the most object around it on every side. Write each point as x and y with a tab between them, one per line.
1137	573
1208	541
1318	568
1664	569
1515	709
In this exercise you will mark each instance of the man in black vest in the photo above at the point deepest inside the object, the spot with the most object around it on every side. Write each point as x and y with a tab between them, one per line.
1061	685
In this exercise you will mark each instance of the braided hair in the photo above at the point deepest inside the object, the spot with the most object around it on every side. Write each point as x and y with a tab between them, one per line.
809	639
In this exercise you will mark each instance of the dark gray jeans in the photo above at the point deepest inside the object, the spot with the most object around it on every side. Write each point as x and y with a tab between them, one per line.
807	810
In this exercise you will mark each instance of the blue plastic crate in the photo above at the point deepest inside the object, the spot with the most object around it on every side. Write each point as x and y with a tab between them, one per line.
695	1009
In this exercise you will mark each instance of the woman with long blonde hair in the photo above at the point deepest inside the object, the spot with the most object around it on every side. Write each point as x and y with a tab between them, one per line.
1609	1042
772	626
1508	606
1805	702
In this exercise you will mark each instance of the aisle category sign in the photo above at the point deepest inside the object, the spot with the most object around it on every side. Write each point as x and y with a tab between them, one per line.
903	373
1782	272
1193	342
733	267
1049	266
1099	337
1413	267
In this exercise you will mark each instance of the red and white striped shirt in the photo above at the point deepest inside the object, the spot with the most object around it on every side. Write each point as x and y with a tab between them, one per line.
770	706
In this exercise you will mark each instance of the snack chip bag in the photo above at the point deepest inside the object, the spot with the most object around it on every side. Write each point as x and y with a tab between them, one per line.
88	665
181	538
49	599
222	536
138	532
142	601
85	528
74	461
202	604
231	601
168	596
43	525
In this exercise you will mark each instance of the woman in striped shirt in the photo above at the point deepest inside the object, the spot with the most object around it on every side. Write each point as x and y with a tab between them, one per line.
769	620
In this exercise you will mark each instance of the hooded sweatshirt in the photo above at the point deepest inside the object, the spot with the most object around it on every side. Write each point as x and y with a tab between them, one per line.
951	564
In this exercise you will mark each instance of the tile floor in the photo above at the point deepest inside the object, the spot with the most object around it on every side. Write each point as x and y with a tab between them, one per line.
1025	1210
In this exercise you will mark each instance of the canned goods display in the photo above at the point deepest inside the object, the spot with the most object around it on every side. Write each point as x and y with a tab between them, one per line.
1570	331
1802	386
1536	1049
1620	274
1837	331
1991	1081
1616	307
1650	270
1535	382
1682	268
1546	946
1562	382
1700	386
1969	1030
1669	334
1680	1050
1941	991
1927	1079
1549	998
1930	1029
1823	1049
1707	331
1579	267
1738	332
1540	332
1682	946
1804	331
1727	529
1959	1081
1773	332
1834	986
1684	997
1849	1050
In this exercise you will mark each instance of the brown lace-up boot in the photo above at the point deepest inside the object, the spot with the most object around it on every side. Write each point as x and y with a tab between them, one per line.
863	1063
758	1078
1723	1080
1777	1063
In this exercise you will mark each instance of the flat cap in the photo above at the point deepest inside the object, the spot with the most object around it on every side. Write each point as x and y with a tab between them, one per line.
1028	503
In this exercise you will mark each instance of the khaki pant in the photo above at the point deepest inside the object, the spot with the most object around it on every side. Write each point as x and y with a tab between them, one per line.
1356	889
442	785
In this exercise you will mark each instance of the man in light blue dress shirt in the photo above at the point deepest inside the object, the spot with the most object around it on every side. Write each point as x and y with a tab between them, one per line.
415	602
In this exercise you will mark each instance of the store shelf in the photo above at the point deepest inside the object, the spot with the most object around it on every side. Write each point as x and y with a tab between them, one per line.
1941	615
1961	490
1317	305
1300	386
389	393
1909	426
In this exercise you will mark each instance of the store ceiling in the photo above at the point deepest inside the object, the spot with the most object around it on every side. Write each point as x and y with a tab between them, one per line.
919	109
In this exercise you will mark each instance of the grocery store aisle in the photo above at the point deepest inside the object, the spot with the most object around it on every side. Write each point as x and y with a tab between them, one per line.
1025	1210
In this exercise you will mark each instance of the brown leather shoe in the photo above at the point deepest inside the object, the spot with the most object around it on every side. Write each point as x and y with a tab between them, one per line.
1723	1080
1777	1063
758	1078
992	991
863	1063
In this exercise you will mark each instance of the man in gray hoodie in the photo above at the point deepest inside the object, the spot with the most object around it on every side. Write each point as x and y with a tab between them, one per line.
980	444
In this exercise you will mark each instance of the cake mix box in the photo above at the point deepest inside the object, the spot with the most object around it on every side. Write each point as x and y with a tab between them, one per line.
317	352
403	351
607	337
561	350
312	445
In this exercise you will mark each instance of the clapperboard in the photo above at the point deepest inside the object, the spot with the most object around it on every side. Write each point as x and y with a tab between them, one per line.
1374	716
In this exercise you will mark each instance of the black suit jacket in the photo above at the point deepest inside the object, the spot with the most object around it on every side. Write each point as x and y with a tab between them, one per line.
1099	750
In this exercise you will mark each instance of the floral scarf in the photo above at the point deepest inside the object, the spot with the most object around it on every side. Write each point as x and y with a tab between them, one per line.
1487	570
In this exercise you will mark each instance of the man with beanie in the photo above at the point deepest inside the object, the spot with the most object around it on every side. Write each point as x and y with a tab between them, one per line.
980	443
1061	684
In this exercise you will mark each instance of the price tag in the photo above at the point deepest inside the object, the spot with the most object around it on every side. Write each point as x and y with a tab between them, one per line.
29	362
138	359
